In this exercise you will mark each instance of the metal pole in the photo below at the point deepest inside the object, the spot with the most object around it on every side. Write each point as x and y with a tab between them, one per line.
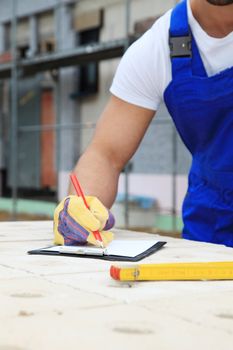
58	96
71	126
14	111
127	22
126	202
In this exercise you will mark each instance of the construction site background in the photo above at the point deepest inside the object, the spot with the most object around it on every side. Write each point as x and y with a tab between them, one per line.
57	62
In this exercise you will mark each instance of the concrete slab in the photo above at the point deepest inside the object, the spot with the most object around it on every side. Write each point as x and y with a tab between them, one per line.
136	291
57	303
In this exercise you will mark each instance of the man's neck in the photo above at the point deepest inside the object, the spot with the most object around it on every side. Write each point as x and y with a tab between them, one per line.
216	21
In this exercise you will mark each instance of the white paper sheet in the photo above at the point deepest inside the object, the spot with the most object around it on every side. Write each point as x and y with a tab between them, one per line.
127	248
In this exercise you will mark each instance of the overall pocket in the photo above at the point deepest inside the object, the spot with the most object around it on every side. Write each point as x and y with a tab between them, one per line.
198	210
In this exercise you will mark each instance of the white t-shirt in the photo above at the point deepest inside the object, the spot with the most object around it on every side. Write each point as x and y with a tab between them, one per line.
144	71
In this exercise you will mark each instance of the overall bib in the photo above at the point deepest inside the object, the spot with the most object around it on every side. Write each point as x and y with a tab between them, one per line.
202	110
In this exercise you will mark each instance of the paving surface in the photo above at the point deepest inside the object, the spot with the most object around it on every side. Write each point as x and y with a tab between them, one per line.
49	302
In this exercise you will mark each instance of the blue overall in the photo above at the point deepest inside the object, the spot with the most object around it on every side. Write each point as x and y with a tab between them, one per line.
202	110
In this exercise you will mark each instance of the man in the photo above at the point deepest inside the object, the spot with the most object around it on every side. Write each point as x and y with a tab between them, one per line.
186	60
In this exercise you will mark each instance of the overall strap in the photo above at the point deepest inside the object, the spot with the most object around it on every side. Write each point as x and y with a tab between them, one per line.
185	57
197	64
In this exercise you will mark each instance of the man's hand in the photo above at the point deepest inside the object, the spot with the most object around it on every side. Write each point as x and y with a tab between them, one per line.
74	223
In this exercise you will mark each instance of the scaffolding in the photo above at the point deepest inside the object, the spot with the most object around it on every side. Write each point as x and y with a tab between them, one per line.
92	53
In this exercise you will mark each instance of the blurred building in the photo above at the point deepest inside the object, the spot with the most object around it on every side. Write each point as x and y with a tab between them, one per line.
67	54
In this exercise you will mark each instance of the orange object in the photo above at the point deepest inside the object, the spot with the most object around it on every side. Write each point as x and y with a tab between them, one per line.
5	57
80	193
48	178
115	272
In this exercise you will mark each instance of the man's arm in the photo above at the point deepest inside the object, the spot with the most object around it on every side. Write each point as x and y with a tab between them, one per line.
116	138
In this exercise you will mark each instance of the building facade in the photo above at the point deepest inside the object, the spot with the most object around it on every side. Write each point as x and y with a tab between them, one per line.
59	106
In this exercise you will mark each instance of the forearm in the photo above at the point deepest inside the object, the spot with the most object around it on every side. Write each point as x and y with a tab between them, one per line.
98	176
117	136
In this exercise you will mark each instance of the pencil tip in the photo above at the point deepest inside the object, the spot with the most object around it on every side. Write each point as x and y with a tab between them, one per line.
100	244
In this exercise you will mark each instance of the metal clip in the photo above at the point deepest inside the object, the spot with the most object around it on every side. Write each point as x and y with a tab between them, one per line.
180	46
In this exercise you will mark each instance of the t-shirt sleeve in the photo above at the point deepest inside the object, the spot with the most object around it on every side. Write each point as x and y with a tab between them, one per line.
141	74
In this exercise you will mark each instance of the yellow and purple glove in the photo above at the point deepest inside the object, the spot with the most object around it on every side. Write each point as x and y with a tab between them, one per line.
74	223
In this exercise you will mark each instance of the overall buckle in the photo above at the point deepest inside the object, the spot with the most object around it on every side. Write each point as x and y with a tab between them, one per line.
180	46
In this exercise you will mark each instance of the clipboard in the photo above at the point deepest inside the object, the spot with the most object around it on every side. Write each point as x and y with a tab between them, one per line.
97	253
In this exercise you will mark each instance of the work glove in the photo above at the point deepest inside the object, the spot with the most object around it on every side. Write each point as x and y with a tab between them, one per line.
74	223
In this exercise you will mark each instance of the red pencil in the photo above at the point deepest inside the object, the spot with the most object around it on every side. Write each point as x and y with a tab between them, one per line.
80	193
